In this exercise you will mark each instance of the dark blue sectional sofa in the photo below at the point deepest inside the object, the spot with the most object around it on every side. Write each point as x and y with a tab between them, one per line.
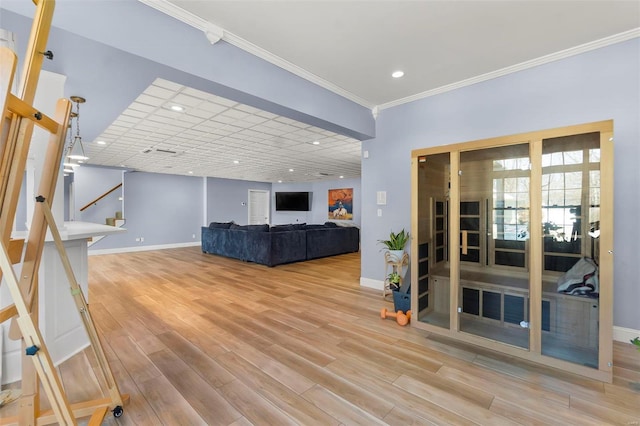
279	244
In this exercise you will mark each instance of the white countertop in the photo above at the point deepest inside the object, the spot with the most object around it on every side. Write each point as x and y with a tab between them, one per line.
75	230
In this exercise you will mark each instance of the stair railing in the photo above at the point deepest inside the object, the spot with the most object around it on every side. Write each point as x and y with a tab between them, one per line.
100	197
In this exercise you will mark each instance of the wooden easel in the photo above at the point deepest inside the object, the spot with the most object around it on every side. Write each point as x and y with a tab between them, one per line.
16	127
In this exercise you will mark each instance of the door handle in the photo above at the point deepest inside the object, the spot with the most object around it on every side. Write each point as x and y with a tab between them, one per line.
464	242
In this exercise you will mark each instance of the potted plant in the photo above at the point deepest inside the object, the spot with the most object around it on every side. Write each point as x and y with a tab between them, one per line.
394	281
396	243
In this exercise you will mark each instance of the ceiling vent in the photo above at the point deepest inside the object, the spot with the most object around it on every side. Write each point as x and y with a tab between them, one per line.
166	151
151	150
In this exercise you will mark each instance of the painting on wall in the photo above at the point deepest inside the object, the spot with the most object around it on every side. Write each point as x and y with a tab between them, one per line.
341	204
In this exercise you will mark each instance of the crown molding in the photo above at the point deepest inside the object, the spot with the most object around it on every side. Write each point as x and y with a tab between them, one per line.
616	38
189	18
195	21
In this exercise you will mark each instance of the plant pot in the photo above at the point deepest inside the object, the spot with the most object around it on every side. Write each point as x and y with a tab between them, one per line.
396	255
401	301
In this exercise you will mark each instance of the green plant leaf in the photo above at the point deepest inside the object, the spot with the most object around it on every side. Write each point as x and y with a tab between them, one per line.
396	241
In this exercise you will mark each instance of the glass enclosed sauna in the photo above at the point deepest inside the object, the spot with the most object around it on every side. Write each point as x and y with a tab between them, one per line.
514	242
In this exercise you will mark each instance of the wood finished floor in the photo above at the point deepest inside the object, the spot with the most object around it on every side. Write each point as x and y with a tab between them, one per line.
200	339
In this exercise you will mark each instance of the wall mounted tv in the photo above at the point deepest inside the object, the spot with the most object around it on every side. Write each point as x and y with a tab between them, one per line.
293	201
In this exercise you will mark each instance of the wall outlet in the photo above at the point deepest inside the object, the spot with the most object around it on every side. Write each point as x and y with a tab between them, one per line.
137	239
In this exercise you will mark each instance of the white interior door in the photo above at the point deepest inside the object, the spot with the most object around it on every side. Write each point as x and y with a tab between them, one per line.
258	207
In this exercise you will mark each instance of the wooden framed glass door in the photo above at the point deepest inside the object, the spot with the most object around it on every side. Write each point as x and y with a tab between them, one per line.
501	226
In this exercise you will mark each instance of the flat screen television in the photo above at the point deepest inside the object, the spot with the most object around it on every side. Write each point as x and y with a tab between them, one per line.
293	201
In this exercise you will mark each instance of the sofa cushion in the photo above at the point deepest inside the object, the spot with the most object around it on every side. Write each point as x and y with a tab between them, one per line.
251	228
332	241
220	225
330	225
314	226
282	228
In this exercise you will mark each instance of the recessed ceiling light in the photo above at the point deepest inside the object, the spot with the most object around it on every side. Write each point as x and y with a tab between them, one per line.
279	181
397	74
190	172
101	142
290	170
316	142
177	108
341	177
236	162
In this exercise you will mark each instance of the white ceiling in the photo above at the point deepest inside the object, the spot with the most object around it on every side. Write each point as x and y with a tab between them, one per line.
351	48
212	133
355	45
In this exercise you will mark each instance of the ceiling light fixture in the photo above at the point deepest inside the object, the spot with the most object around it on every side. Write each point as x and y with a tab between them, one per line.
397	74
177	108
279	181
341	177
236	162
75	149
316	142
290	170
101	142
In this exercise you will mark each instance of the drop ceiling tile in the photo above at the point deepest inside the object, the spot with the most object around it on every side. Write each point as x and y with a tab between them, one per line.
195	93
186	100
208	136
201	113
149	100
225	102
159	92
138	106
160	82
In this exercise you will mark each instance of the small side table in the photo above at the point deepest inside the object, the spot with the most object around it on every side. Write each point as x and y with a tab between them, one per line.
396	265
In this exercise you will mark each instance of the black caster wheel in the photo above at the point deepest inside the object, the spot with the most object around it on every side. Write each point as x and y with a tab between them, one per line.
117	412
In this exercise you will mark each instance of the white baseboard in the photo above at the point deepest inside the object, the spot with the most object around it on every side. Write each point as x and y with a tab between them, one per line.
143	248
624	335
371	283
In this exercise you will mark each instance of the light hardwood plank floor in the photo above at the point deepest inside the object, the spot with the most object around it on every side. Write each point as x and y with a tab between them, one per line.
200	339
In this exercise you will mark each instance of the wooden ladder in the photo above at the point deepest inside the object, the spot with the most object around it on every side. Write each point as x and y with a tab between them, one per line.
16	127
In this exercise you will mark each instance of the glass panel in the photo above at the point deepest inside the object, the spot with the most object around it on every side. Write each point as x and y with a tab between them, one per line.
433	271
571	227
494	282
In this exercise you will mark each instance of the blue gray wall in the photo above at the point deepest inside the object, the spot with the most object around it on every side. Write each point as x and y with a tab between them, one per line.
127	56
90	183
598	85
162	209
225	198
319	201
